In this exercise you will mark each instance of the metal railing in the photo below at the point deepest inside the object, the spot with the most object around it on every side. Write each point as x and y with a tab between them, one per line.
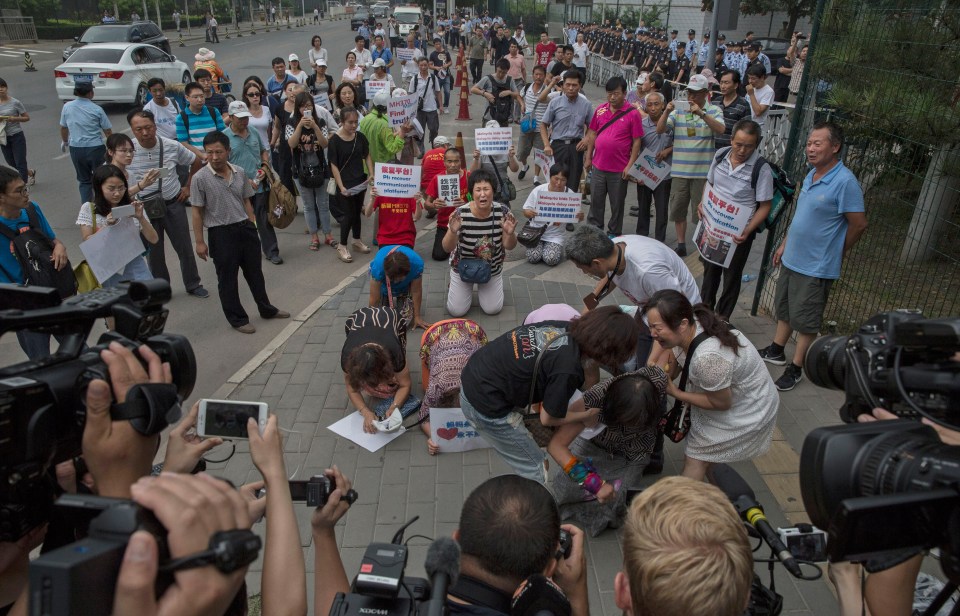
17	30
600	69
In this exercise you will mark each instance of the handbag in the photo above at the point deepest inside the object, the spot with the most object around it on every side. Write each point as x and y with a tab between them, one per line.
506	191
281	205
675	423
86	281
541	434
528	123
155	206
530	236
473	270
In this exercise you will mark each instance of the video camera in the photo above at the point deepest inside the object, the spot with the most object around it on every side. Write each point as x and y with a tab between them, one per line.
42	402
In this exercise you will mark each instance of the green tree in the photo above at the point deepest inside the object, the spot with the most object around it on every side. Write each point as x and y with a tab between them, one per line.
795	9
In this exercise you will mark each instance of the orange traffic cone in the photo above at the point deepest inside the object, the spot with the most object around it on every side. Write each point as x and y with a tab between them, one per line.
464	113
459	69
458	145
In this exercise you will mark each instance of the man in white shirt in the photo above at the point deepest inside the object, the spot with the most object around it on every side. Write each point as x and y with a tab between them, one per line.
409	68
427	88
364	58
165	110
759	94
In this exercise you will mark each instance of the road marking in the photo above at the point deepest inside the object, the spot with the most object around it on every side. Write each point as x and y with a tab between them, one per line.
30	50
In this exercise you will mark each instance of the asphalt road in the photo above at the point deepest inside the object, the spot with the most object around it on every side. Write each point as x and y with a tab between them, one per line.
292	286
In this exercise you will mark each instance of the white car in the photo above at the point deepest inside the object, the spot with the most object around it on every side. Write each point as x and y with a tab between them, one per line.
119	72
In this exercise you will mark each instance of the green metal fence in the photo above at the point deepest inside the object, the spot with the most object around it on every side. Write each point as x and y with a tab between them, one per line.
886	73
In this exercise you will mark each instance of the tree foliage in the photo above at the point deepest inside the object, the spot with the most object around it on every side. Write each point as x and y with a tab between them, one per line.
795	9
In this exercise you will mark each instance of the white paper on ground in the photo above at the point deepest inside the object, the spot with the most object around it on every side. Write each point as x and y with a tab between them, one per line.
351	428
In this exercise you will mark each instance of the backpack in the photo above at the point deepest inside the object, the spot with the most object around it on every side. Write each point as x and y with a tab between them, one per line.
186	119
783	188
501	109
34	252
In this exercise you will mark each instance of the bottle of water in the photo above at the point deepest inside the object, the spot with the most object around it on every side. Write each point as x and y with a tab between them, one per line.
748	277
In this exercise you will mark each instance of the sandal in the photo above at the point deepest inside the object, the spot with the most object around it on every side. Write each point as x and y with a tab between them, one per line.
329	241
343	254
315	245
32	177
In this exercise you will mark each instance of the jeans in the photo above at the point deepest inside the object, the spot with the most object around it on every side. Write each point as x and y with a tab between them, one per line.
509	438
660	196
602	185
460	295
235	248
213	35
268	235
410	406
352	207
316	208
175	225
731	276
445	88
135	270
85	162
15	153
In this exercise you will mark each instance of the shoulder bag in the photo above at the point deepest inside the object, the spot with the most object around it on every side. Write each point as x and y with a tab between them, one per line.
615	118
675	423
541	434
281	204
472	270
86	280
332	183
528	123
529	235
506	191
155	206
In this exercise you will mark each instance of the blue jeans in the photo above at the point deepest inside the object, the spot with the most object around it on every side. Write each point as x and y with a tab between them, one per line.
15	153
135	270
85	161
385	405
316	208
509	438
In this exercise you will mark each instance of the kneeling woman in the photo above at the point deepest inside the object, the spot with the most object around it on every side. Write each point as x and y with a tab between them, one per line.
541	363
733	401
396	280
480	233
374	362
605	467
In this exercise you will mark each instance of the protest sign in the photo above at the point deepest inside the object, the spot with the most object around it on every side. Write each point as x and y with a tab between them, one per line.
375	85
557	206
648	170
401	181
404	54
451	431
723	219
109	250
491	141
545	162
401	109
448	188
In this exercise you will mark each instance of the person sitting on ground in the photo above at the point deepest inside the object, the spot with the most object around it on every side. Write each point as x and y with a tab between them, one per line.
550	249
396	280
373	360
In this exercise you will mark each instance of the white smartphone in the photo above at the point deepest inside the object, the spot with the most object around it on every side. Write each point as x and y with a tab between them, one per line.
228	418
308	114
165	172
123	210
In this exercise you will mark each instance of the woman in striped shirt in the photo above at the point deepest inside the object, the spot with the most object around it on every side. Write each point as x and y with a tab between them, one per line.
478	235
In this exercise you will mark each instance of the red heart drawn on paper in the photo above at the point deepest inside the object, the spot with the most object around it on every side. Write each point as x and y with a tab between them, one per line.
447	434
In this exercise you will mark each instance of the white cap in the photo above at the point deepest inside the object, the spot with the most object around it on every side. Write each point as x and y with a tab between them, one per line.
293	57
381	98
698	83
238	109
379	62
492	124
321	62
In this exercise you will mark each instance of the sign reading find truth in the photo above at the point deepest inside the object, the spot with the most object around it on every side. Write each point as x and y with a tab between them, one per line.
401	109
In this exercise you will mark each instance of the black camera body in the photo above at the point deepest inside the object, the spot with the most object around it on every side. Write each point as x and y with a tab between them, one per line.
897	360
42	403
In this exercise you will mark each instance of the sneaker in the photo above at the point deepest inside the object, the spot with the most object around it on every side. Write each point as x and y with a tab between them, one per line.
777	358
246	329
276	259
523	172
281	314
343	254
361	247
32	177
199	292
537	183
791	376
681	250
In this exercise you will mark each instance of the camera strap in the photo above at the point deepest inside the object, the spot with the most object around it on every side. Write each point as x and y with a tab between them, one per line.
475	592
150	407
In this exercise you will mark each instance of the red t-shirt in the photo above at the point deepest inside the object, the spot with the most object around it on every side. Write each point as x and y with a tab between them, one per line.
443	215
545	53
396	221
431	166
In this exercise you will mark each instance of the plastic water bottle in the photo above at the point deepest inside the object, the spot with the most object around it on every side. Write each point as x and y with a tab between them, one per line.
748	277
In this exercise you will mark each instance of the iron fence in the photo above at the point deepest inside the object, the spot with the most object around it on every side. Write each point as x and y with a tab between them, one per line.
17	30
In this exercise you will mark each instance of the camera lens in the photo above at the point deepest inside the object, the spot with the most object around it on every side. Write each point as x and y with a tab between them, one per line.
826	362
897	463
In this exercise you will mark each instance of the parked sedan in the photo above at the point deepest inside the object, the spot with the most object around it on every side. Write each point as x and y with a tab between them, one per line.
136	32
774	48
119	72
361	16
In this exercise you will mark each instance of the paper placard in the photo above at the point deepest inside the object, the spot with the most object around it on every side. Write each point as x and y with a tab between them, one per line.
401	109
648	170
110	249
375	85
451	431
351	428
723	219
545	162
448	188
492	141
402	181
557	206
404	54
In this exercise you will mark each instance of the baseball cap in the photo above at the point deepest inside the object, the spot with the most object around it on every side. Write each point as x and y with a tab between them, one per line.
379	62
698	83
293	57
238	109
440	140
321	62
641	79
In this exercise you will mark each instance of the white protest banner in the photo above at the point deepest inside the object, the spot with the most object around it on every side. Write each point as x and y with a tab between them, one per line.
493	140
648	170
723	219
404	54
557	206
402	181
451	431
545	162
375	85
448	188
401	109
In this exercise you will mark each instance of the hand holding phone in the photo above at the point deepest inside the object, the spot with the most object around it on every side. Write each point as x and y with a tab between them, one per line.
228	418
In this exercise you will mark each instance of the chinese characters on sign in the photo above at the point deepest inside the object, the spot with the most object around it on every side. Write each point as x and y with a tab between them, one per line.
452	432
648	170
396	180
723	219
448	188
492	141
557	207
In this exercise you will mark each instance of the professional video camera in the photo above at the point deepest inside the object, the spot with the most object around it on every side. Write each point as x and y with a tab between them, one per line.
897	360
81	578
42	403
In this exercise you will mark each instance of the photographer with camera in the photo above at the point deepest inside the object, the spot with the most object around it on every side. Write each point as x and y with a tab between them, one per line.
509	537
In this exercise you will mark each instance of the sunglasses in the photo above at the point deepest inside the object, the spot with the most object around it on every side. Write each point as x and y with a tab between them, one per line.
253	93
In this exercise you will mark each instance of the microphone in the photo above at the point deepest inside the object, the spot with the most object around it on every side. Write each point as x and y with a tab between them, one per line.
443	567
745	502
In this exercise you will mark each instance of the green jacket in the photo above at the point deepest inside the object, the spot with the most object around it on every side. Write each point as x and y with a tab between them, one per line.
384	144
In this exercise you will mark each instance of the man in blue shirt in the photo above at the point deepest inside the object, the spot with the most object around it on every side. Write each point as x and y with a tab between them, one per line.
828	221
81	124
279	79
13	199
197	120
673	45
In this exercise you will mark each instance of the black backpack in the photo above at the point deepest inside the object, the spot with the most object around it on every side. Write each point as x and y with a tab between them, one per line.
34	252
783	187
501	109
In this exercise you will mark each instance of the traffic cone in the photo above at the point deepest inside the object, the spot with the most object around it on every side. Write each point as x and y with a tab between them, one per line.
464	113
28	62
459	69
252	29
458	145
180	36
226	30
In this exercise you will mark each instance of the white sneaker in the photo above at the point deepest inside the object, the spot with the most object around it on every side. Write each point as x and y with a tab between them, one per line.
343	254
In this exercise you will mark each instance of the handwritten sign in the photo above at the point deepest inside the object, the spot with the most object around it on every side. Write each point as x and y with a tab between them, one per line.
451	431
375	85
648	170
401	109
405	54
723	219
448	188
401	181
557	206
545	162
491	141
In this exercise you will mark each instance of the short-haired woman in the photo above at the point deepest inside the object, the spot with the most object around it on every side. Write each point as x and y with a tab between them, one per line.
396	280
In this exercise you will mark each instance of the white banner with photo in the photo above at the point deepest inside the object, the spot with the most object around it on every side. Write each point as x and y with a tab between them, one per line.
723	219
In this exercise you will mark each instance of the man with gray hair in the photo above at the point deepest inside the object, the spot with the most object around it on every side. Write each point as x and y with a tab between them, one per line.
662	144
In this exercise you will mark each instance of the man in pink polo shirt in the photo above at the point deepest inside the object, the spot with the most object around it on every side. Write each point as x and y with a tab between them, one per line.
614	144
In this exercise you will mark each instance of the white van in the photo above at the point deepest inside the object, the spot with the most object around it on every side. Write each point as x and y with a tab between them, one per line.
407	17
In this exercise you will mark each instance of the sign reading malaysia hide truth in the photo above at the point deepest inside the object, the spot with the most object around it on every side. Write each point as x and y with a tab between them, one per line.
723	219
492	141
448	188
403	53
401	109
648	170
401	181
557	206
545	162
451	431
